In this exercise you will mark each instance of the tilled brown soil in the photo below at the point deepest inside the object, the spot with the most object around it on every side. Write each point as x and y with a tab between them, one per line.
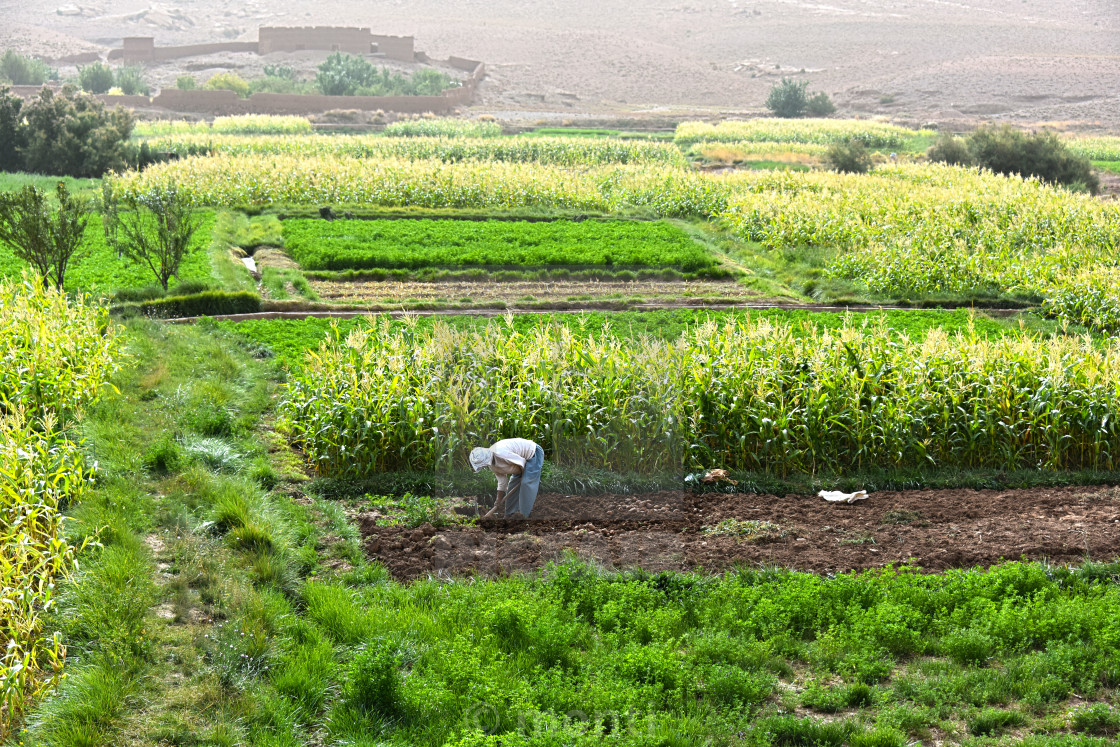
935	530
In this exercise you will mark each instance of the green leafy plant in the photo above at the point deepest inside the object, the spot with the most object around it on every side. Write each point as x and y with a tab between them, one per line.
228	82
21	70
787	98
96	77
851	157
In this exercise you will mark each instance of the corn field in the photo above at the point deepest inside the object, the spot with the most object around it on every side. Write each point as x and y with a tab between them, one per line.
1095	148
244	124
904	230
810	131
562	151
57	353
910	229
233	180
442	127
743	395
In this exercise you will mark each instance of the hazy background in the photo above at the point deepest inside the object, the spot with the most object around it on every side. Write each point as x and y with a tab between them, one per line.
1024	60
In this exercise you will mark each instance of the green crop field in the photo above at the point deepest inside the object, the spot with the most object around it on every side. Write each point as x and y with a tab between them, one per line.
291	339
101	271
265	532
414	244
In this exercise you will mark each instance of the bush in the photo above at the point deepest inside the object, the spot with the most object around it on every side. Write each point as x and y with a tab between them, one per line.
20	70
71	134
186	83
95	78
819	105
787	99
1006	150
228	82
12	133
343	74
131	81
950	150
208	303
348	75
849	158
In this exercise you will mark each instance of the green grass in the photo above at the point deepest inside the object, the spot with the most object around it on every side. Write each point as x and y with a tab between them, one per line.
102	272
1109	166
289	339
10	181
357	244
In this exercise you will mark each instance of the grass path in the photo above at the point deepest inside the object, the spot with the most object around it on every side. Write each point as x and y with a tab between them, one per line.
182	448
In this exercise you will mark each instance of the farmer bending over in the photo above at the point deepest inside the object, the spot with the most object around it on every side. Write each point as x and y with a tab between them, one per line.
520	459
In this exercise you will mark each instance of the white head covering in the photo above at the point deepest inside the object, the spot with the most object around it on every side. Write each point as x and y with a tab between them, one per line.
481	458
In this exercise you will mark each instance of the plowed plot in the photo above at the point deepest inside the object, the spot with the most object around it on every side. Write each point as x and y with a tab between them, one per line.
511	292
681	531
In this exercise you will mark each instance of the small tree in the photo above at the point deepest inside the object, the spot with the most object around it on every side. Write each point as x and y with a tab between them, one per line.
849	158
186	83
20	70
819	105
131	81
153	230
95	78
950	150
71	134
1006	150
48	240
12	133
787	99
343	74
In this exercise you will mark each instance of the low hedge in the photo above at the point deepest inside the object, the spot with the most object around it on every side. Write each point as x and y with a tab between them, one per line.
207	303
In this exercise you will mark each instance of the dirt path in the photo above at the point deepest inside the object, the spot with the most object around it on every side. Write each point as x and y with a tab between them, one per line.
932	529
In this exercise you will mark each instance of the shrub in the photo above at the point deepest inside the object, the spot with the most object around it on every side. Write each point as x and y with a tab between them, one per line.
95	78
343	74
131	81
12	134
71	134
787	99
950	150
186	83
1006	150
848	158
20	70
819	105
209	303
228	82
